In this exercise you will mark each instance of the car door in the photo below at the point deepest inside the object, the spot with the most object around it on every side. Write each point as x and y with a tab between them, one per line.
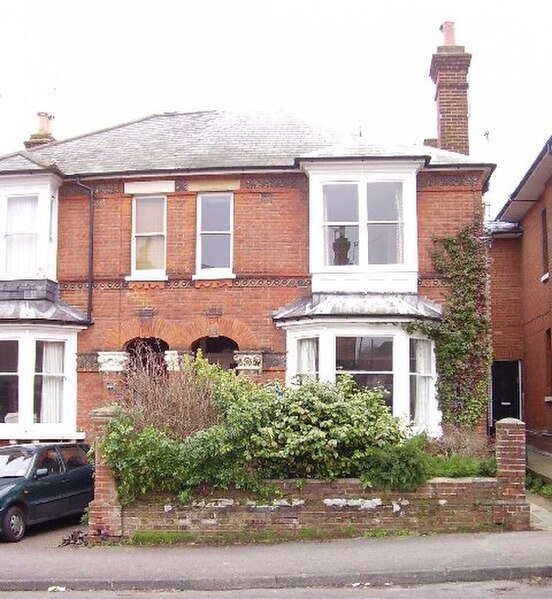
78	475
46	492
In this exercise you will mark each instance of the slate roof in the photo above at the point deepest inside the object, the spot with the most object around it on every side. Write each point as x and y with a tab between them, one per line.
374	305
213	140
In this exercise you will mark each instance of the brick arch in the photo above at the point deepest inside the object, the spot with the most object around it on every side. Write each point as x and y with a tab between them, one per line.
219	327
160	328
180	336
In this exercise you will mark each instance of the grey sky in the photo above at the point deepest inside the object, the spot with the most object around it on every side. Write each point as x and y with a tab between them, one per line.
358	63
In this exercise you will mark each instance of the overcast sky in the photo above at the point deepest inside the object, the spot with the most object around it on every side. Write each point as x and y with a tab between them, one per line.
359	63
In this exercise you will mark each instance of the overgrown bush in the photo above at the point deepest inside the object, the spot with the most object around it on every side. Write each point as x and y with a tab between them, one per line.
180	402
323	430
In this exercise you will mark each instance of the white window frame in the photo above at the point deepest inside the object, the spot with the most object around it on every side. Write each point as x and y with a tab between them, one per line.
26	429
149	274
363	277
214	273
45	189
327	332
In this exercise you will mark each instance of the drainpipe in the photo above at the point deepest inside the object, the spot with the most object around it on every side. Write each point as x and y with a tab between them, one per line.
90	278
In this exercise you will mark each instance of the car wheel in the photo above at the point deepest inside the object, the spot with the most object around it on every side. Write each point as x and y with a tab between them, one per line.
13	524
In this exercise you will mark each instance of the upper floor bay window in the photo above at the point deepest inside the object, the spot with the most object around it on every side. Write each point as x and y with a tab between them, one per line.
37	384
363	228
28	227
214	235
149	237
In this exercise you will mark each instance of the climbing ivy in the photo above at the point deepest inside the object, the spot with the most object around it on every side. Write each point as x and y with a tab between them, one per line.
462	337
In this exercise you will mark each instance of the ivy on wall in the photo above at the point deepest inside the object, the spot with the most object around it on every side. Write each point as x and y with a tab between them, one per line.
462	337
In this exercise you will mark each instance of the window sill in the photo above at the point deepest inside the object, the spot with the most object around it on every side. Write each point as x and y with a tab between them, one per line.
545	277
210	276
144	277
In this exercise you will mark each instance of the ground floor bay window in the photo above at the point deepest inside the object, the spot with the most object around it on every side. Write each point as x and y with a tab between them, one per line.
38	383
375	355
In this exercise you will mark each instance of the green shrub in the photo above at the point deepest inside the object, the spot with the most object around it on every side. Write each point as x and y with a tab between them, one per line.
402	467
322	430
456	466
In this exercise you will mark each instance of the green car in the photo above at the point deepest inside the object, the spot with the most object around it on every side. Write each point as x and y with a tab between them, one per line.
40	482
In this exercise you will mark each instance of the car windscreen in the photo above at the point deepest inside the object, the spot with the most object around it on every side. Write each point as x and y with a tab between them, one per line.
15	461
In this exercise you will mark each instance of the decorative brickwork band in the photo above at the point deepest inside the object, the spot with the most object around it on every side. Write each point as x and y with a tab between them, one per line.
511	508
105	520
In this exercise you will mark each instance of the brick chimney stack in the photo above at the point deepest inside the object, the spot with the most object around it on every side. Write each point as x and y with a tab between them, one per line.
449	71
44	135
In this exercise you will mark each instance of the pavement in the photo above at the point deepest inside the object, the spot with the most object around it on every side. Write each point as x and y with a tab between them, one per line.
39	563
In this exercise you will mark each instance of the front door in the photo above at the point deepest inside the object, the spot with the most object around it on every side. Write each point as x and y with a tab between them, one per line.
506	390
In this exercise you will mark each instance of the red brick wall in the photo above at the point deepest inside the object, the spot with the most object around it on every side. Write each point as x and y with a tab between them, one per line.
444	505
270	258
506	298
536	315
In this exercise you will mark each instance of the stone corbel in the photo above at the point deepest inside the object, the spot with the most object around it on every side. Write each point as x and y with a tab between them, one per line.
112	361
249	362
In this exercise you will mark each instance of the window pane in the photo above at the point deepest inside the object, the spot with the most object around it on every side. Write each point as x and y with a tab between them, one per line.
150	252
8	356
377	380
21	235
9	383
340	202
215	213
364	353
385	244
384	201
341	245
48	382
215	251
21	217
307	356
150	215
9	398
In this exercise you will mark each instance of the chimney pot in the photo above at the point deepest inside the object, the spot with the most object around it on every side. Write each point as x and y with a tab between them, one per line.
44	120
448	33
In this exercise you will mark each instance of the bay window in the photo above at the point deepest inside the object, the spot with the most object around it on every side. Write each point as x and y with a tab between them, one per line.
28	227
363	227
38	384
376	355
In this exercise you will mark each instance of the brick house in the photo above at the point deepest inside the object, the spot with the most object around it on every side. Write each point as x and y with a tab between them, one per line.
275	247
522	302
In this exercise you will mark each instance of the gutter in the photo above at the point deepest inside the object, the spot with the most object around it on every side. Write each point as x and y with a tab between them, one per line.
90	276
546	150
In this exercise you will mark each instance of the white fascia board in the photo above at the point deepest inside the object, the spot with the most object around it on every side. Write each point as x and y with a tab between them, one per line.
343	322
362	166
18	184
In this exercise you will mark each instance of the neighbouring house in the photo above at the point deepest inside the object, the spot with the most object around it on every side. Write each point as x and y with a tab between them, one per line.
522	303
277	248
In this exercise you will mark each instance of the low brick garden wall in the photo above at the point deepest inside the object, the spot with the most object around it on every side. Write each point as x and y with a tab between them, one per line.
334	508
